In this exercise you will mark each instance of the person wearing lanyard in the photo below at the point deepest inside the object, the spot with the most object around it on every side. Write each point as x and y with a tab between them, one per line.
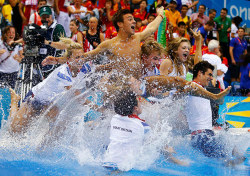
199	117
238	47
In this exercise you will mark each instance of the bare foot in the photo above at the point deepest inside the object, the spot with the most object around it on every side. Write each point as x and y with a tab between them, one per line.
14	97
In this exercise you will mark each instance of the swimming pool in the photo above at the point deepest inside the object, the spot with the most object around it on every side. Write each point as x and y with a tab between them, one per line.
76	153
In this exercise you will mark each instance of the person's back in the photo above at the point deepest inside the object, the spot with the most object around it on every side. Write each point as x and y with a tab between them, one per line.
127	132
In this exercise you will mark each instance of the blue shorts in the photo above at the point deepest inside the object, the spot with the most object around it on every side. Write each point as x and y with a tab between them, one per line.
208	144
110	166
37	105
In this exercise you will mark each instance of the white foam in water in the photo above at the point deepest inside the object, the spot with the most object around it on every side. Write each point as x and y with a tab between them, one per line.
70	138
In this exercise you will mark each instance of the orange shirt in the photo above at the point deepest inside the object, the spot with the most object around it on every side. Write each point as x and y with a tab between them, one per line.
173	17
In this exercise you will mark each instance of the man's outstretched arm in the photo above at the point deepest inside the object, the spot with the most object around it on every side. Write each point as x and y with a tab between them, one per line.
153	26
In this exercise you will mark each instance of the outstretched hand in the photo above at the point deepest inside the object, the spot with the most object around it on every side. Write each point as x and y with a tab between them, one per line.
49	60
196	34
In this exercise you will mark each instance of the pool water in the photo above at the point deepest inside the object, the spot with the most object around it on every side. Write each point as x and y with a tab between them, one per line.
80	146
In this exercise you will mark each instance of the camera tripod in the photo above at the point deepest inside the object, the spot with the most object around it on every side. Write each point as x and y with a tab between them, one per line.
29	74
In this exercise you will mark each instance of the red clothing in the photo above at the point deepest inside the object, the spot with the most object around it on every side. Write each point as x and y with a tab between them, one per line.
61	6
89	5
110	32
204	50
125	6
142	28
105	20
225	61
138	14
28	7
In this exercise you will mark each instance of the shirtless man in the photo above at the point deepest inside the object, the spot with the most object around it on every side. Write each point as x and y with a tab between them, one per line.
125	52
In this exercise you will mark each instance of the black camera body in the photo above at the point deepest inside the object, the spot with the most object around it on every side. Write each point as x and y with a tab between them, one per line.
34	37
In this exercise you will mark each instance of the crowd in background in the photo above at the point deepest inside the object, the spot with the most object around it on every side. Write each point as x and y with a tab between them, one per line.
89	22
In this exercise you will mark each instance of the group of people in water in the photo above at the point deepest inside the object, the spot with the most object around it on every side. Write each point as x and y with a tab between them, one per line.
130	76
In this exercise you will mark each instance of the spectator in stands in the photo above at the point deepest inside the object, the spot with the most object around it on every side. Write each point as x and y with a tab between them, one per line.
181	31
26	8
190	4
156	3
35	18
138	24
213	58
76	35
16	18
186	19
205	29
172	14
92	37
212	34
199	19
238	47
235	26
150	18
53	34
142	12
125	4
62	15
223	27
106	15
10	56
5	13
78	12
245	75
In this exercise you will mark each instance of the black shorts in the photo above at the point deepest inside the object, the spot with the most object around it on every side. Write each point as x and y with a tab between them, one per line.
235	70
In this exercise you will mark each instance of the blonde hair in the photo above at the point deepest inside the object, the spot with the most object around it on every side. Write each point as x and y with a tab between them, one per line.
151	46
172	48
72	45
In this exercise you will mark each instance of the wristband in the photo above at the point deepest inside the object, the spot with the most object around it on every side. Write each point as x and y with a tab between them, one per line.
161	16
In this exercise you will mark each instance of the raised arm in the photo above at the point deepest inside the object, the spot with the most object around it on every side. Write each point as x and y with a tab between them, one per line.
198	54
153	26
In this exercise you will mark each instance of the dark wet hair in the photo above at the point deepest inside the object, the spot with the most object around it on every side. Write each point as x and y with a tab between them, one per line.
118	17
241	28
202	66
125	103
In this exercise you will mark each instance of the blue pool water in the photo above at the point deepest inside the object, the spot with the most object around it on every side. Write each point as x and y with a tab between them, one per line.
80	149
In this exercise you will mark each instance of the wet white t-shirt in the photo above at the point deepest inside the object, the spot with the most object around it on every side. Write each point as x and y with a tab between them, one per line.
126	138
54	84
199	114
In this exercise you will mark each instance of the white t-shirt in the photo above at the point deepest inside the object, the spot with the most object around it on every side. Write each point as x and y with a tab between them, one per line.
54	84
234	30
126	138
216	61
9	65
199	114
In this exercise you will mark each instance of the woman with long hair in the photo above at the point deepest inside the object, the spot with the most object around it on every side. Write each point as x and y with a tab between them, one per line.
11	55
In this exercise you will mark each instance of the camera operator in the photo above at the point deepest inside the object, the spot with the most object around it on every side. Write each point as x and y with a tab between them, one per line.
11	55
53	34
